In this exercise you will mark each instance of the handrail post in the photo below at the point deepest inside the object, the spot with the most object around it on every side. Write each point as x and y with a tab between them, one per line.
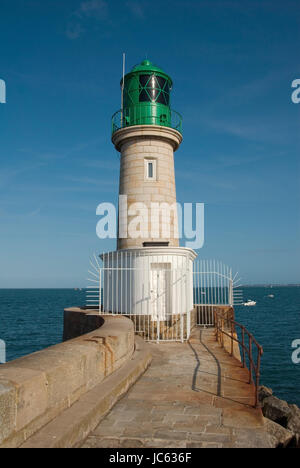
232	332
223	328
257	378
216	325
243	345
100	292
250	359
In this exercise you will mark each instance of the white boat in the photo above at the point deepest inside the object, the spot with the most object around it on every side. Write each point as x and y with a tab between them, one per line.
271	295
250	303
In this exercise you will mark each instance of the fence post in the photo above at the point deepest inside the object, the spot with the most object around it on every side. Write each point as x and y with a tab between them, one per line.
232	332
216	325
257	377
243	345
188	325
231	290
250	360
222	337
100	291
181	327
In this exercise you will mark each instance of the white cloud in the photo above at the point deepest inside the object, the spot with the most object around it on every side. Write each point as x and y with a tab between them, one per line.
91	9
74	30
94	8
136	9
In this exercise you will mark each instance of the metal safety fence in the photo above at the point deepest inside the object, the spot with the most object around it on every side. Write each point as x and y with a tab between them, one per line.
160	293
214	285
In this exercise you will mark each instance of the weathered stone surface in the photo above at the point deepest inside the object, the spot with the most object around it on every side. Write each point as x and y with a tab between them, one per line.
78	322
282	436
8	409
293	423
264	392
179	402
74	424
283	419
249	438
31	393
248	418
294	443
276	410
37	388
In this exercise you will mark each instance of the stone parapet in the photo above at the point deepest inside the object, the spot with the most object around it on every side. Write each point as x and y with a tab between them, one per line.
37	388
74	424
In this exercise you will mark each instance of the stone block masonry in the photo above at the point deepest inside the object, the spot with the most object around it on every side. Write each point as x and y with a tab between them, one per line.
37	388
138	145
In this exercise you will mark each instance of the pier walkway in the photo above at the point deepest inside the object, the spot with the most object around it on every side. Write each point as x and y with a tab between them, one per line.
193	395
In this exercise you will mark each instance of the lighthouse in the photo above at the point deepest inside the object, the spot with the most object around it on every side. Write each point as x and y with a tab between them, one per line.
150	276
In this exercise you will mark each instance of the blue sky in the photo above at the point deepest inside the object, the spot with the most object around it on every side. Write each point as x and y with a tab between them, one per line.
232	63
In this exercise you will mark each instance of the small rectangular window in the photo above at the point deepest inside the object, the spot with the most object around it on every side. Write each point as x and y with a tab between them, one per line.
150	169
156	244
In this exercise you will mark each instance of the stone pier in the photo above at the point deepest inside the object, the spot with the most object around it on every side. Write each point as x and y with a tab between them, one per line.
109	388
193	395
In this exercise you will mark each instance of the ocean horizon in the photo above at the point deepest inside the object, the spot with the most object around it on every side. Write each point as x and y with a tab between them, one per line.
32	319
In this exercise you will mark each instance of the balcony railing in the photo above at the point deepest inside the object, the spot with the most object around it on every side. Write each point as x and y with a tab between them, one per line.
146	115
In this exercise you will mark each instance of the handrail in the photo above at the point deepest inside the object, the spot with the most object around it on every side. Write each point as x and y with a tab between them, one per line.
139	115
220	321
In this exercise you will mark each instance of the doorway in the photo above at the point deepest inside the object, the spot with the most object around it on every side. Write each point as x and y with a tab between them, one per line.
160	288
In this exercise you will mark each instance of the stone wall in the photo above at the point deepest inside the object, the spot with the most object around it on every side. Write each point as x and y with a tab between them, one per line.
37	388
78	322
138	145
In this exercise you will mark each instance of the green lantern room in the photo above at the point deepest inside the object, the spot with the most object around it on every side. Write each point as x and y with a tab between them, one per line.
146	99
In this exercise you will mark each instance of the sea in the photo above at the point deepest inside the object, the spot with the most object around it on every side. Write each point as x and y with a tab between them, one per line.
32	319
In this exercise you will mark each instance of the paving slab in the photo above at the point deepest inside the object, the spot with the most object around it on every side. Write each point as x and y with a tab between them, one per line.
193	395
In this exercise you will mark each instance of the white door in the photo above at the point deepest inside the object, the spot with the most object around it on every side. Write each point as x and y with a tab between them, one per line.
160	291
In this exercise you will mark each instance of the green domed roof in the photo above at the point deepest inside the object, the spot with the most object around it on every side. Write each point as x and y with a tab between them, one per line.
148	67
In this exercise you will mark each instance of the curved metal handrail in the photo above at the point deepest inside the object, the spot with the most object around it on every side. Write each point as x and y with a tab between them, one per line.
120	119
221	322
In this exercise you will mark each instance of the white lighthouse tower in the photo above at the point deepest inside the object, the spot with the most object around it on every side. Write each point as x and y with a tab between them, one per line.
149	277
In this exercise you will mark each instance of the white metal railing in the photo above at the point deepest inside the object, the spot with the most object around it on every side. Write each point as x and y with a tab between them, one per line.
154	291
214	285
159	294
